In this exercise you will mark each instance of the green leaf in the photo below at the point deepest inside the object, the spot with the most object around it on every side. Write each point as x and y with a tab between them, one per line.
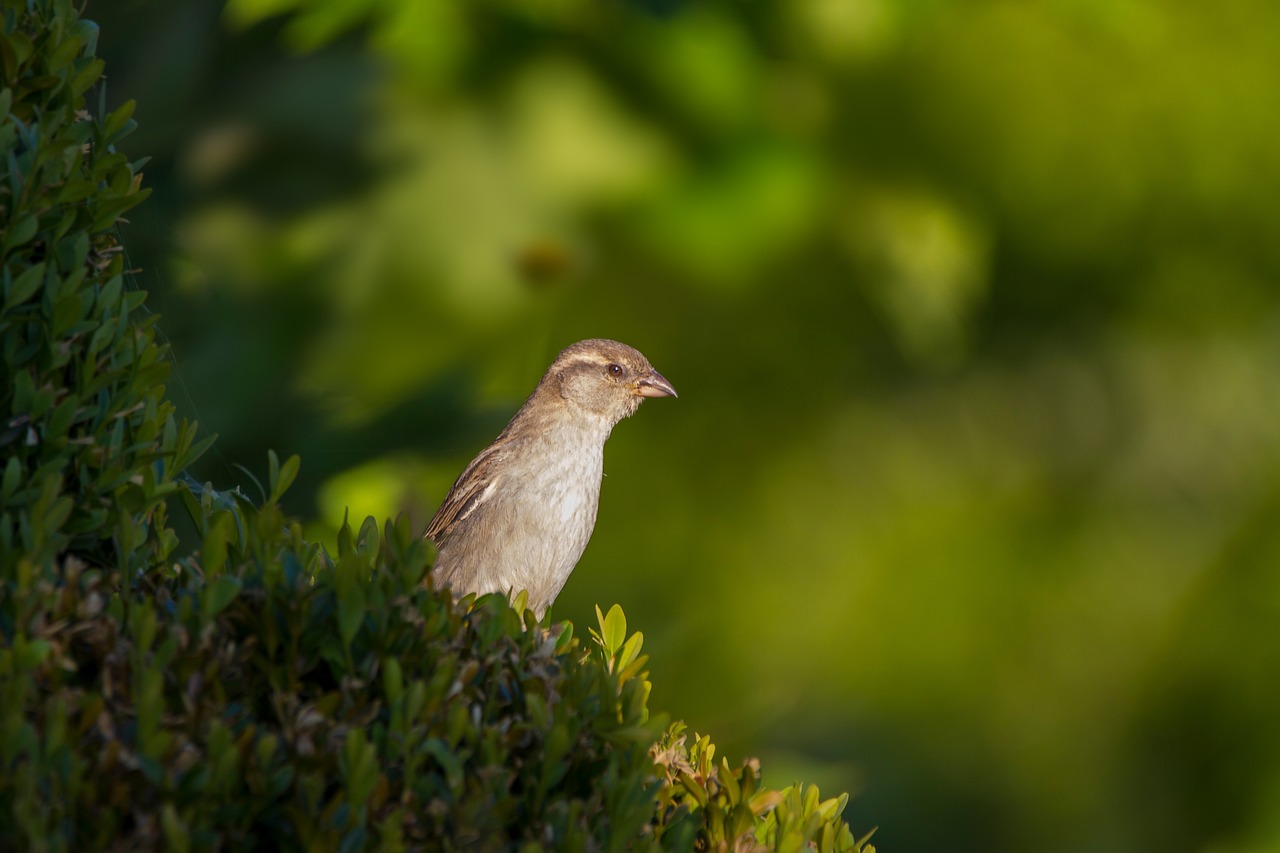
25	285
87	76
66	311
219	593
765	802
60	420
613	629
63	52
176	834
12	478
23	47
19	233
282	476
694	788
628	672
631	648
29	654
56	516
109	295
862	842
346	539
729	780
214	548
352	601
118	120
193	453
87	32
565	641
368	541
24	392
539	714
392	680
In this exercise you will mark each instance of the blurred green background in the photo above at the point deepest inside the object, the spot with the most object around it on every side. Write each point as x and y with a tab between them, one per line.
969	505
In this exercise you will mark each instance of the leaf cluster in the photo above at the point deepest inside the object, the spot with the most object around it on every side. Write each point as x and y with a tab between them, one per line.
286	697
722	807
89	444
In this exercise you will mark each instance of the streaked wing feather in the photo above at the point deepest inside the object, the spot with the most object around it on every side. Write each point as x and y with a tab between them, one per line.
474	486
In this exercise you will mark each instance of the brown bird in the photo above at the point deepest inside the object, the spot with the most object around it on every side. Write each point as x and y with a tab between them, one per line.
520	515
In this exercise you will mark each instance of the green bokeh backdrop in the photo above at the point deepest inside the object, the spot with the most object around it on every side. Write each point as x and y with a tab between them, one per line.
969	504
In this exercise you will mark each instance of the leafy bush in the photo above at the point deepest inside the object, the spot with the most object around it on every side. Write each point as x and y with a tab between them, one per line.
90	444
263	692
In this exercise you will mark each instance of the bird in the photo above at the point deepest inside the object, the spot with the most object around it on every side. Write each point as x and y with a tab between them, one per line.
521	513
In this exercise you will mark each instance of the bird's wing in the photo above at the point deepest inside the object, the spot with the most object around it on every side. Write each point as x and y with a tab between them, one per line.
475	485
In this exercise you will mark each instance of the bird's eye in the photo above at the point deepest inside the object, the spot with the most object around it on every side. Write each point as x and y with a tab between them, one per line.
615	370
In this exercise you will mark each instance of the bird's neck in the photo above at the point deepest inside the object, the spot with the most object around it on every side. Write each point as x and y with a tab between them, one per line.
562	421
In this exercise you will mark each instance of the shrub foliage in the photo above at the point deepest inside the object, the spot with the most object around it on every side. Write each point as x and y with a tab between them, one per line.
263	692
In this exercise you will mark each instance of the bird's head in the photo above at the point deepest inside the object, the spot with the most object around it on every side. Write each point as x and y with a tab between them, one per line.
606	378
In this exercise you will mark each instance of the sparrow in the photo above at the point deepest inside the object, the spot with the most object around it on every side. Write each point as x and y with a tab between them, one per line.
521	514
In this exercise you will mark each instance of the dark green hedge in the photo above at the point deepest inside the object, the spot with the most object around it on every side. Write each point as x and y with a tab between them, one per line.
262	692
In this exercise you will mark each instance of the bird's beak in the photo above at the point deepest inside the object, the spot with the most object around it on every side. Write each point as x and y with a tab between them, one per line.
655	385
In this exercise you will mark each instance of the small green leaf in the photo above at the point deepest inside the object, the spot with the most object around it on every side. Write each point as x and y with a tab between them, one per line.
392	680
565	641
195	452
214	548
118	120
220	593
176	833
87	76
66	311
282	476
24	391
21	47
613	629
765	802
694	788
20	232
12	478
57	515
87	32
265	749
109	295
628	672
60	420
368	541
280	781
729	780
346	539
25	285
28	655
63	51
631	648
100	338
539	714
352	602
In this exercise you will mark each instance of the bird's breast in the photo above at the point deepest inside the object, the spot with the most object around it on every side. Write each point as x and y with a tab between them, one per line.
551	511
564	494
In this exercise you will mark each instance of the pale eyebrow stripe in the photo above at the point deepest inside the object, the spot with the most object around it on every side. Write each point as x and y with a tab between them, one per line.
582	359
